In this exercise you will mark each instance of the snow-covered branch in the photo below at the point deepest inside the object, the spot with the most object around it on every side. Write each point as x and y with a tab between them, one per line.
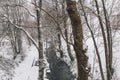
22	29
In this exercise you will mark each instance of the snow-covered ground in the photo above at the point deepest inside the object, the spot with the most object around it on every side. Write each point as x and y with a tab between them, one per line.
93	58
25	70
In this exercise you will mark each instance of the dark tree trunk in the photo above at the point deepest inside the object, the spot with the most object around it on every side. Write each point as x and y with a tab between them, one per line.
40	44
82	59
109	40
106	39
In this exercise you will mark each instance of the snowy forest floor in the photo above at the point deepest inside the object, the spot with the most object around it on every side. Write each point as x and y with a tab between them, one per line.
25	70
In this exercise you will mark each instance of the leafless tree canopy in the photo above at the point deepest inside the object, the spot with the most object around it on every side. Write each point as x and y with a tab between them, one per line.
78	38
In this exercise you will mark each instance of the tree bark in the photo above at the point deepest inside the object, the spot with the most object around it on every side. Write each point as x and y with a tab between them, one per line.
40	44
82	59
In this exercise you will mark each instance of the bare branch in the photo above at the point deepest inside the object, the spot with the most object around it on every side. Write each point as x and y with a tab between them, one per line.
54	22
22	29
16	5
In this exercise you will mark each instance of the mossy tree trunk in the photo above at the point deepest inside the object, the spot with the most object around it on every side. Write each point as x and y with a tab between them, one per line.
82	59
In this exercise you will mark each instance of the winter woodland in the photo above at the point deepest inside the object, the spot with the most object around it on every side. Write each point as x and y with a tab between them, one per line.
59	39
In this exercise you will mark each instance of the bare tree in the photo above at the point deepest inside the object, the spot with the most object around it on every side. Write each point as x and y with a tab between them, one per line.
40	43
15	12
95	44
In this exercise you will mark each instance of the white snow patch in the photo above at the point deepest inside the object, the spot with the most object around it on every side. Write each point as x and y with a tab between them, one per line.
25	70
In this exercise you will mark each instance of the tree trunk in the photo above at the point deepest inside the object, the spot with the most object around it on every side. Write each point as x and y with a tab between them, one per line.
82	59
109	37
40	44
105	40
95	44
